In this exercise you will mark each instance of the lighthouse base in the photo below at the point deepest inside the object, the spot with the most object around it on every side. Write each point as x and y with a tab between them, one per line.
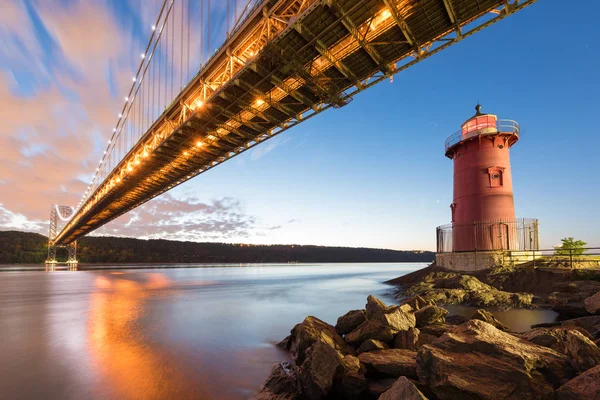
478	260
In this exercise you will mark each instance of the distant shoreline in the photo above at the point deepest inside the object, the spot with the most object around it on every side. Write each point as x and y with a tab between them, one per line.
142	266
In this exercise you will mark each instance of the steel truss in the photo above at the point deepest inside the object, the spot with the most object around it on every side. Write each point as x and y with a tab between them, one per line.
287	61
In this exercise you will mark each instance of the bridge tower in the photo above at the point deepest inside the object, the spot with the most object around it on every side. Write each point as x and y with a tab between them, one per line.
63	213
483	210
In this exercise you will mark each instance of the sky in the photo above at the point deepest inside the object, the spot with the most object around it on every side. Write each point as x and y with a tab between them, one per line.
371	174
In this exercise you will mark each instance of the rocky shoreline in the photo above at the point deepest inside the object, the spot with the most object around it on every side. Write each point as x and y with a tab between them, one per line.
416	351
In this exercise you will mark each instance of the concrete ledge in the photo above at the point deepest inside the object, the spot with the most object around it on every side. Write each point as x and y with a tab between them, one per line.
478	260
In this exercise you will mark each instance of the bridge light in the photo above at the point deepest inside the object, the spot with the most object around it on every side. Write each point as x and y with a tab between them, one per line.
120	115
199	144
126	98
145	153
114	130
251	53
260	102
197	104
143	55
134	79
153	27
118	180
137	162
185	153
129	168
386	14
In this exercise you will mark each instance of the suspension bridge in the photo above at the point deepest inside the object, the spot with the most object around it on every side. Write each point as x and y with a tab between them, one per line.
278	63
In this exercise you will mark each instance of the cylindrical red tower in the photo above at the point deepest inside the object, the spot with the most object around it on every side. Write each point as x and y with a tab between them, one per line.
483	196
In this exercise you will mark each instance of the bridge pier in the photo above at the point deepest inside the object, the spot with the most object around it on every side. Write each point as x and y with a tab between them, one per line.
64	213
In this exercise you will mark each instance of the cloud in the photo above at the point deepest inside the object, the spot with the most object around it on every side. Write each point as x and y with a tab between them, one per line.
186	219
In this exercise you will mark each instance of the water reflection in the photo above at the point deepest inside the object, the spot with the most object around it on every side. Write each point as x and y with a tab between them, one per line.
204	333
518	320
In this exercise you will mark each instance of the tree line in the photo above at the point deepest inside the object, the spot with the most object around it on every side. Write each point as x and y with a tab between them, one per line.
27	247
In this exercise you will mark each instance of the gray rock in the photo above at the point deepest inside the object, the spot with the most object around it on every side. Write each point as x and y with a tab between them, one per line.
407	339
350	321
403	389
391	362
282	384
374	307
430	315
488	317
592	304
478	361
585	387
371	345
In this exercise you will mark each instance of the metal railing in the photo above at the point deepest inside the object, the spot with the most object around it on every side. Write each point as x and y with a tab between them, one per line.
519	234
567	257
502	125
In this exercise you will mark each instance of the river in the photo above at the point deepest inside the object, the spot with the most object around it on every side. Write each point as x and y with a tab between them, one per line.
204	333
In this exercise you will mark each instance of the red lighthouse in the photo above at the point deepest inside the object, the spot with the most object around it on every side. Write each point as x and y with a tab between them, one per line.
484	231
483	190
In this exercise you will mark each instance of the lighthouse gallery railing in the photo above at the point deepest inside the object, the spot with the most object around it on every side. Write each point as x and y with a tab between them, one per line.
502	125
519	234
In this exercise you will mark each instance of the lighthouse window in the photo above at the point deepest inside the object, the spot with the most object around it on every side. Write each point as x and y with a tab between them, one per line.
495	177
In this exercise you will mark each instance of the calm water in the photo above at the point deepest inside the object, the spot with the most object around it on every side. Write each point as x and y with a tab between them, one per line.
204	333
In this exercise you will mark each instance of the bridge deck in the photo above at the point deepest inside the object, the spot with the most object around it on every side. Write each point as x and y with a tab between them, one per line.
278	69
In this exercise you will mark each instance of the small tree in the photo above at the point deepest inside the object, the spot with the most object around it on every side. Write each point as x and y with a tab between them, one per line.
570	246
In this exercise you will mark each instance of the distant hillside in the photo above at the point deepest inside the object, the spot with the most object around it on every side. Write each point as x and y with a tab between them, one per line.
25	247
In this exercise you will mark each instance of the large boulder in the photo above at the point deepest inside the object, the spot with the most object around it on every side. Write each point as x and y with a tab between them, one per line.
398	319
282	384
391	362
585	387
371	345
310	331
322	359
374	307
407	339
478	361
350	381
430	315
403	389
592	304
382	326
582	353
350	321
319	369
591	324
488	317
371	329
417	302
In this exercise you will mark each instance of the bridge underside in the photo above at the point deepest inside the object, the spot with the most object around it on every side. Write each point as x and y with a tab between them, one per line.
319	58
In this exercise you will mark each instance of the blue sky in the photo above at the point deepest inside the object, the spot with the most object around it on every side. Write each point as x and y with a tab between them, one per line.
370	174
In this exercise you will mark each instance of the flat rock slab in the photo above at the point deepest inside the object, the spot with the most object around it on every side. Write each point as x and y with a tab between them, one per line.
478	361
592	304
391	362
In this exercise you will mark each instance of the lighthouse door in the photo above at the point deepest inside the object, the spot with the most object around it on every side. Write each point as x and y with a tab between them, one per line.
499	236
